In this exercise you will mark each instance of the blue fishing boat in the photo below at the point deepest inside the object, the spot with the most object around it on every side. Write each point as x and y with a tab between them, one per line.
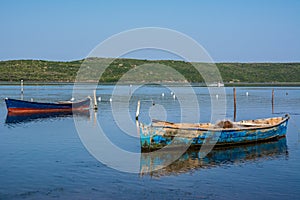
224	133
20	106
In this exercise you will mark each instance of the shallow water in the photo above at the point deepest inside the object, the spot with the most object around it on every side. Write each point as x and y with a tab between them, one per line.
44	158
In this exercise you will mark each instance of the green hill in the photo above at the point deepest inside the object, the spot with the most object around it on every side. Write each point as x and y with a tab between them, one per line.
52	71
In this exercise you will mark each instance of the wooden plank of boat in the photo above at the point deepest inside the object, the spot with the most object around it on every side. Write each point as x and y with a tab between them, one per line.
21	106
161	133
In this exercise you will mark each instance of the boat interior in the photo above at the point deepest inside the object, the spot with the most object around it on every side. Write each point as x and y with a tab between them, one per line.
223	124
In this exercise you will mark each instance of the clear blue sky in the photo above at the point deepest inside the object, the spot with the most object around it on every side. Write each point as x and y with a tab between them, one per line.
240	31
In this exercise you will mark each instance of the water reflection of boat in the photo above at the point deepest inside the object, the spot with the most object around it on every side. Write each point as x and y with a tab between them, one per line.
152	163
16	118
225	133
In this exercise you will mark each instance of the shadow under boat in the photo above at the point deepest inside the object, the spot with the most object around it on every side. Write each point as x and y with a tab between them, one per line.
155	164
18	118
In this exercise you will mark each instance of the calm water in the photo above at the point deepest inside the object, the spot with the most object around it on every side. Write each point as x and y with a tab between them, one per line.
44	158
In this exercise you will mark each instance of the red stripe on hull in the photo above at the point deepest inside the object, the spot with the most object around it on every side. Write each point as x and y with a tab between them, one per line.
31	110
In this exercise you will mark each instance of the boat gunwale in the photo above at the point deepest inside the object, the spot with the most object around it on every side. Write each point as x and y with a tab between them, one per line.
284	119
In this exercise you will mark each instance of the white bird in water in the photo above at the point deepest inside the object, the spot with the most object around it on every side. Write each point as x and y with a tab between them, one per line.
99	98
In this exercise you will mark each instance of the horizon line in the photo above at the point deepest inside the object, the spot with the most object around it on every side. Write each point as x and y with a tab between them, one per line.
147	59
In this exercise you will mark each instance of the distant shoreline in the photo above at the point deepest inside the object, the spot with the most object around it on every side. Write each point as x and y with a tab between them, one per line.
232	74
162	83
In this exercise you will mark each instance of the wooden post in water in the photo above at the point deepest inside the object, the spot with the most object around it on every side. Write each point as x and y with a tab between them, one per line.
272	101
22	89
234	104
95	117
137	110
130	87
95	101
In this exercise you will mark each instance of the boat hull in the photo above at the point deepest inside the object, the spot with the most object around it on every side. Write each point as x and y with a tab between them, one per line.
20	106
153	137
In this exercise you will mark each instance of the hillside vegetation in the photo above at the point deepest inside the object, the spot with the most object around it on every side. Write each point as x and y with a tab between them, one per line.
159	70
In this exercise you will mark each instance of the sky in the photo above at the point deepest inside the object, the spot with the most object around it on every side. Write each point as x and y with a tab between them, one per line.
229	30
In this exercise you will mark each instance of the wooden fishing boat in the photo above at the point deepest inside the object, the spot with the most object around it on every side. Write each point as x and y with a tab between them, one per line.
20	106
223	133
